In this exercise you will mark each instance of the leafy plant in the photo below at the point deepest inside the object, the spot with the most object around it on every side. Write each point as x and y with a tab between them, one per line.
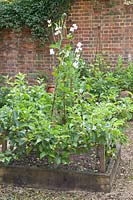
106	83
124	75
27	119
65	70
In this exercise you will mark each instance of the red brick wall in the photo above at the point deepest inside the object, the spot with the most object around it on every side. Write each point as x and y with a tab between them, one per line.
18	53
107	27
101	28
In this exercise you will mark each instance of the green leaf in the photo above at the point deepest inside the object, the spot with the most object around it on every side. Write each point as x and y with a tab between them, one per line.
38	141
42	155
58	160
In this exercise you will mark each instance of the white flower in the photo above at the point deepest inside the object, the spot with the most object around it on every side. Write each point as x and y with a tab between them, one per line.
75	64
49	23
52	52
73	28
79	47
79	44
57	28
77	50
57	31
77	56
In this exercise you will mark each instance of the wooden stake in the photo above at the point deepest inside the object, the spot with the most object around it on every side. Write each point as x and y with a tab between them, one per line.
101	156
4	143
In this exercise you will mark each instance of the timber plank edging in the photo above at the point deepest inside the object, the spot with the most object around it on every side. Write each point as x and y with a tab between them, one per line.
60	179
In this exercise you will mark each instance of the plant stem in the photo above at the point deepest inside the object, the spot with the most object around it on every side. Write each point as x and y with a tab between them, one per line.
53	103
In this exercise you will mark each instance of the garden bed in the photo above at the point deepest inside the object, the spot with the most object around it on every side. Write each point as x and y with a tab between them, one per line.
86	162
60	179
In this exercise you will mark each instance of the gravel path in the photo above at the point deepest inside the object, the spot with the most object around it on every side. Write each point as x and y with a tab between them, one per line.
122	188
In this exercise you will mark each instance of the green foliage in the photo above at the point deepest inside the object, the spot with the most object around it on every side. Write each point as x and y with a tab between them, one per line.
103	84
27	119
32	14
24	115
124	76
106	83
101	123
3	91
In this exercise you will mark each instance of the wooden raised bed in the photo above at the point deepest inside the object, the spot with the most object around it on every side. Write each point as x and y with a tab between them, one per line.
61	179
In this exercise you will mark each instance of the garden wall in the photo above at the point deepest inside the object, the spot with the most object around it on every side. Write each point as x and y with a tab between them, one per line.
106	27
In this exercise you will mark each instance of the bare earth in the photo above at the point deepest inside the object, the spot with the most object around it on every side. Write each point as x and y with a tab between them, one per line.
122	187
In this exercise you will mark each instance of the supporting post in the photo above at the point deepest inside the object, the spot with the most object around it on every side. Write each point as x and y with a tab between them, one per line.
101	157
4	143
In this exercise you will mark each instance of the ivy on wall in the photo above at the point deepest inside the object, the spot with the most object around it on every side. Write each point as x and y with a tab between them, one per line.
32	14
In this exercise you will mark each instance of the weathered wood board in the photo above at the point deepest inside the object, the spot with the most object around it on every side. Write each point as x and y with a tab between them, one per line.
60	179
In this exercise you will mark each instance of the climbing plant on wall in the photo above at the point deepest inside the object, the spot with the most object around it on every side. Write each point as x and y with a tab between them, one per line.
32	14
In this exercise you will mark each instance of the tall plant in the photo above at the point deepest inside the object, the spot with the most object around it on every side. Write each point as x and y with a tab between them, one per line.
66	70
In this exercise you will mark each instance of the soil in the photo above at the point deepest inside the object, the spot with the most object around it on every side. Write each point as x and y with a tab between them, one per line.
122	186
87	162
